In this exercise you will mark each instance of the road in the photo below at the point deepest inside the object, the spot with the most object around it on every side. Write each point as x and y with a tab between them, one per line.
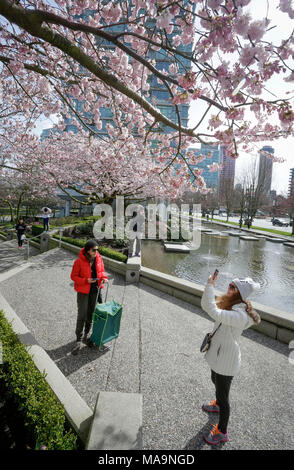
263	223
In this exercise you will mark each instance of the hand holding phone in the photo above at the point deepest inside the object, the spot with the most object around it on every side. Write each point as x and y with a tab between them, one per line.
215	274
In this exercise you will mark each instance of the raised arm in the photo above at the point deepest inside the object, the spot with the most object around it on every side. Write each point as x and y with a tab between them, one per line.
227	317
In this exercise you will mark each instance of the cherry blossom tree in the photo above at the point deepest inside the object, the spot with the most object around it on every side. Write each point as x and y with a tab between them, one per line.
17	188
99	170
72	58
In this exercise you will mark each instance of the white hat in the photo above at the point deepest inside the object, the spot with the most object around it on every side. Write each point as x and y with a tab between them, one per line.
246	286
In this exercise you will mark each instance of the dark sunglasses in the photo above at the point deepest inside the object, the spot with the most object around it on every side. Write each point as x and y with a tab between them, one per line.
94	249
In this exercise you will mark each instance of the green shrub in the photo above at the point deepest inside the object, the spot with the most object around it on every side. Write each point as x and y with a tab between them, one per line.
84	229
36	401
36	240
70	220
37	229
105	251
110	253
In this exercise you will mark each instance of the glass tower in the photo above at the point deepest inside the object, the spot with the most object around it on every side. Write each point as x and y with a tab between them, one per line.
211	178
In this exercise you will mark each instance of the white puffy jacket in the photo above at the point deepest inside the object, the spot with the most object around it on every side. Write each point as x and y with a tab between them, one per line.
224	356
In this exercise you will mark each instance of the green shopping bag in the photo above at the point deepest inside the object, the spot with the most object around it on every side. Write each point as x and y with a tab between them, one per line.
106	321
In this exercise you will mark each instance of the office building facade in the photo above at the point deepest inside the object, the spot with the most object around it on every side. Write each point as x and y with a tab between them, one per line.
291	183
158	95
211	178
226	172
265	170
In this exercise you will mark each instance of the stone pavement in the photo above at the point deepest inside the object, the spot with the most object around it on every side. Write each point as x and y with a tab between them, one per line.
157	355
11	256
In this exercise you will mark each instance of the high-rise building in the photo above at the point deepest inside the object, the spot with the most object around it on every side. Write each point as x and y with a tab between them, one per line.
226	173
291	183
210	178
158	94
265	169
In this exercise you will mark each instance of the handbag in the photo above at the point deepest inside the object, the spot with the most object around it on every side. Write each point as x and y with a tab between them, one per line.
23	237
207	339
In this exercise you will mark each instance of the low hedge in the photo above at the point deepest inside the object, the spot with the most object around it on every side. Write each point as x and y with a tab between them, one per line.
37	229
70	220
105	251
42	412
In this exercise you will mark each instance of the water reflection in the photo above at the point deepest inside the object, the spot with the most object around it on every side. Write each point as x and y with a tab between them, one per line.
272	265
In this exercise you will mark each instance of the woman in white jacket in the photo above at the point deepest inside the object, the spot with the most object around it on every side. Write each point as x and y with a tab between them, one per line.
232	314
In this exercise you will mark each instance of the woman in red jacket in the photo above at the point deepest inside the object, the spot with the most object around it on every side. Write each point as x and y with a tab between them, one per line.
87	274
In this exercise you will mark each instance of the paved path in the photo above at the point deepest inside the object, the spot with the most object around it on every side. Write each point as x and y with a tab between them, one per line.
253	230
11	256
157	354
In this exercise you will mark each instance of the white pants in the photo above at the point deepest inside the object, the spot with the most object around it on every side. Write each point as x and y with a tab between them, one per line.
138	246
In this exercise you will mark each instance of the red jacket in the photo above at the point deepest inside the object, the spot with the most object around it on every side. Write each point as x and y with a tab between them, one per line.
81	272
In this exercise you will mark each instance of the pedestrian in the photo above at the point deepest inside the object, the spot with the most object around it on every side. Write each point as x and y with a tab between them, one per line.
46	215
87	274
137	232
232	313
20	227
240	222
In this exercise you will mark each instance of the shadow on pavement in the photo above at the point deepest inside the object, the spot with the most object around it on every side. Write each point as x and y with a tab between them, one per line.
197	442
69	363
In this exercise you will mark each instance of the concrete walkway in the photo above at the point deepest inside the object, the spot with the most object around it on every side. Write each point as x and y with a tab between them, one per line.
157	354
11	256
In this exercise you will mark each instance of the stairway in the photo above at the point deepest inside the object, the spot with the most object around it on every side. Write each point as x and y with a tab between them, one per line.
11	256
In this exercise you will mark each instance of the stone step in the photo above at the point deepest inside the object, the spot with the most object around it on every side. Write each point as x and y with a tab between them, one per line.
176	247
11	256
117	422
248	239
275	240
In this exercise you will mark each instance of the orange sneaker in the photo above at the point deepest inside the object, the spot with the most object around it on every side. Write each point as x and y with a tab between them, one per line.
211	407
215	436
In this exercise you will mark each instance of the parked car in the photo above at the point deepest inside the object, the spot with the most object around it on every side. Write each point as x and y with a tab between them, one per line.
279	223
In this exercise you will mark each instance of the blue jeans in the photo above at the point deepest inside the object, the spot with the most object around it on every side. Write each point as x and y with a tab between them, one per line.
46	223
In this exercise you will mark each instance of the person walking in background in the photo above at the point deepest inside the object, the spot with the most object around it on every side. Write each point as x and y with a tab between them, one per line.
88	275
46	215
20	227
223	355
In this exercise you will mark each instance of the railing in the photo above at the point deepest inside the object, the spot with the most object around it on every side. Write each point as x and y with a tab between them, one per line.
60	230
28	240
28	244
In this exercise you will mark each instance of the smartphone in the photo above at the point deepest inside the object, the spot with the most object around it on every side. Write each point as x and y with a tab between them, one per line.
215	274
